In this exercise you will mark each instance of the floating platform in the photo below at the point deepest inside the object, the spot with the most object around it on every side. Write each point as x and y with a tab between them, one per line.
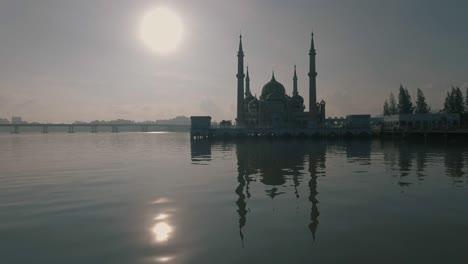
269	132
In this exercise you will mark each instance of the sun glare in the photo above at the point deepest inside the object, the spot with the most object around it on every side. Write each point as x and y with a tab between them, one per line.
161	30
162	231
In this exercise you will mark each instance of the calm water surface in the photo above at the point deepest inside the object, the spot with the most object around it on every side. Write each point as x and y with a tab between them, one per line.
157	198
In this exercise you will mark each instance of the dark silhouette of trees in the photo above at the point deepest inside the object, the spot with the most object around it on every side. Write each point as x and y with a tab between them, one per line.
225	123
466	100
421	105
392	106
454	102
386	109
405	106
448	103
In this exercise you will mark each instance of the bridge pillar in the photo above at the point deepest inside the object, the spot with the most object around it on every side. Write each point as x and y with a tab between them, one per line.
115	129
15	130
93	129
144	128
71	129
45	129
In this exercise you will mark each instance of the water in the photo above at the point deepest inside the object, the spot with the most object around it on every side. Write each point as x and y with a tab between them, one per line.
157	198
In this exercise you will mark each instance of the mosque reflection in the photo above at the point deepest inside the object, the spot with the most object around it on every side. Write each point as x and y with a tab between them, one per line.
273	163
281	163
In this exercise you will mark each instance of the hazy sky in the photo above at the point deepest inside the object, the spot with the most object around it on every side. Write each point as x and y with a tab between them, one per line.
66	60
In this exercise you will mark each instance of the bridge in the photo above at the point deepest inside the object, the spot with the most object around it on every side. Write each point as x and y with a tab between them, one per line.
93	127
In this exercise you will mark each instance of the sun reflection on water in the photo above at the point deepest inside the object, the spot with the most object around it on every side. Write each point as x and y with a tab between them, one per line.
161	200
160	217
163	259
162	231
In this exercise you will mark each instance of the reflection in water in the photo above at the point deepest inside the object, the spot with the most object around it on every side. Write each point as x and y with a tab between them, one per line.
317	165
164	259
162	231
359	151
241	204
278	164
161	217
200	151
420	154
404	162
274	164
161	200
421	160
454	164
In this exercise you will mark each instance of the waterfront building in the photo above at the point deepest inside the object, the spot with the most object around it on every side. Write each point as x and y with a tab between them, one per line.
17	120
274	107
200	122
277	113
421	121
4	121
357	121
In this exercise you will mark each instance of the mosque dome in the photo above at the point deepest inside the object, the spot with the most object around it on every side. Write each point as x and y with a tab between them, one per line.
297	102
297	98
275	96
272	87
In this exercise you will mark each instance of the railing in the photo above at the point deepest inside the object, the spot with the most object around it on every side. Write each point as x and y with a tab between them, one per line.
239	127
94	126
90	125
422	130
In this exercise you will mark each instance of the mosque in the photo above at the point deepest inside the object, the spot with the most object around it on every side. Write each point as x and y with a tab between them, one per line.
275	108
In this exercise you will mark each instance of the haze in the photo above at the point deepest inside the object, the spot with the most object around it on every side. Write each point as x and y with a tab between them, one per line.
63	61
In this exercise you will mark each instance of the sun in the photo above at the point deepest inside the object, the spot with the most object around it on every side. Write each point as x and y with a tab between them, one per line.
161	30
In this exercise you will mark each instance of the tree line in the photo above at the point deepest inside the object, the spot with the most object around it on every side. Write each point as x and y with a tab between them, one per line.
454	102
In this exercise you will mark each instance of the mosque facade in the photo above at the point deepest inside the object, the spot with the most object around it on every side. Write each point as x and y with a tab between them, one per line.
274	108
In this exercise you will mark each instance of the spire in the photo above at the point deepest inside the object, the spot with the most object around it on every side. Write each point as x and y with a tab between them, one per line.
240	84
312	82
312	45
295	75
273	75
247	84
240	44
295	82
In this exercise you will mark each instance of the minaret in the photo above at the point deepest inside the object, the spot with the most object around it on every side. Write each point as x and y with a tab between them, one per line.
312	82
295	82
247	84
240	84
